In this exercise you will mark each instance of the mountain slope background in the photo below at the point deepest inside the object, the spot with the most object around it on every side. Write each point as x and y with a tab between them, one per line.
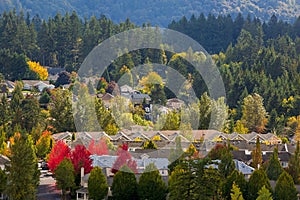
156	12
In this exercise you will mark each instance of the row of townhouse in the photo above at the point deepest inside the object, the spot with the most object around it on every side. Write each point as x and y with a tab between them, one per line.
136	138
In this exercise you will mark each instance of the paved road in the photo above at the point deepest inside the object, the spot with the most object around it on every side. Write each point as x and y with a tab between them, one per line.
47	189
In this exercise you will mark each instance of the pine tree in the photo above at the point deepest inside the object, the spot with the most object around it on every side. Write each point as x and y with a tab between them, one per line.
274	169
124	186
236	193
237	178
285	188
151	185
264	194
257	180
97	184
23	177
294	165
257	155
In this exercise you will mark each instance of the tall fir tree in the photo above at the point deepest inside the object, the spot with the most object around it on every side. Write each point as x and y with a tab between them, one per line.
285	188
23	177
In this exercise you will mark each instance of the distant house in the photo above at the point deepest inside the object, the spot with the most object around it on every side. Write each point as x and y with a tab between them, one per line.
106	162
126	90
7	86
3	161
174	103
64	136
245	169
106	99
37	84
138	98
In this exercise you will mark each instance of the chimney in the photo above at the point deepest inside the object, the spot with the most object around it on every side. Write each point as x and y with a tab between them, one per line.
81	176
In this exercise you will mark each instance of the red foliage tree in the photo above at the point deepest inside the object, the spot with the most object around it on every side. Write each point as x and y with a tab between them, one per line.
124	157
59	151
99	148
80	157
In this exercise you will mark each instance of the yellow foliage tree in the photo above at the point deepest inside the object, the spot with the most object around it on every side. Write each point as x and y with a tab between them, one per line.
37	68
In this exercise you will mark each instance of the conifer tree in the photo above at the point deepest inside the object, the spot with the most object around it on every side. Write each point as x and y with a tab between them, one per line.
151	185
285	188
264	194
257	180
124	186
23	177
97	184
236	193
274	169
294	165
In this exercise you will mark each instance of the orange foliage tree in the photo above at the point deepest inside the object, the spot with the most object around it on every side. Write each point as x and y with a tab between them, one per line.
37	68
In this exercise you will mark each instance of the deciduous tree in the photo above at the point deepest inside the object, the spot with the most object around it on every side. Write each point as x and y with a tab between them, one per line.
124	158
80	157
64	175
254	113
99	148
59	152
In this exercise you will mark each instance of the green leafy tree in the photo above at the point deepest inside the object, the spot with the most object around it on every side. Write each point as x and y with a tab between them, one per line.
257	180
254	113
64	175
124	186
274	169
30	113
23	176
97	184
285	188
204	111
151	185
264	194
294	165
236	193
172	121
61	111
149	145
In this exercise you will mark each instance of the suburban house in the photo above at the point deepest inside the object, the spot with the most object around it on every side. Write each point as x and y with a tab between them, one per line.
7	86
174	103
36	84
245	169
3	161
106	162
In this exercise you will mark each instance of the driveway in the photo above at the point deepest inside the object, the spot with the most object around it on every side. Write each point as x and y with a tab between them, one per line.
47	189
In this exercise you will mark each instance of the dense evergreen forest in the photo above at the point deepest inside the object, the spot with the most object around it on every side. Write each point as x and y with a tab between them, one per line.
156	12
253	56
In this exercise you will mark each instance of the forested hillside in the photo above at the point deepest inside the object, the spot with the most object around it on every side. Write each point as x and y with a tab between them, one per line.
156	12
253	56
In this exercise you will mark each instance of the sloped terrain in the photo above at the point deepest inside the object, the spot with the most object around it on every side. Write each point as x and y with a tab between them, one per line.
157	12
